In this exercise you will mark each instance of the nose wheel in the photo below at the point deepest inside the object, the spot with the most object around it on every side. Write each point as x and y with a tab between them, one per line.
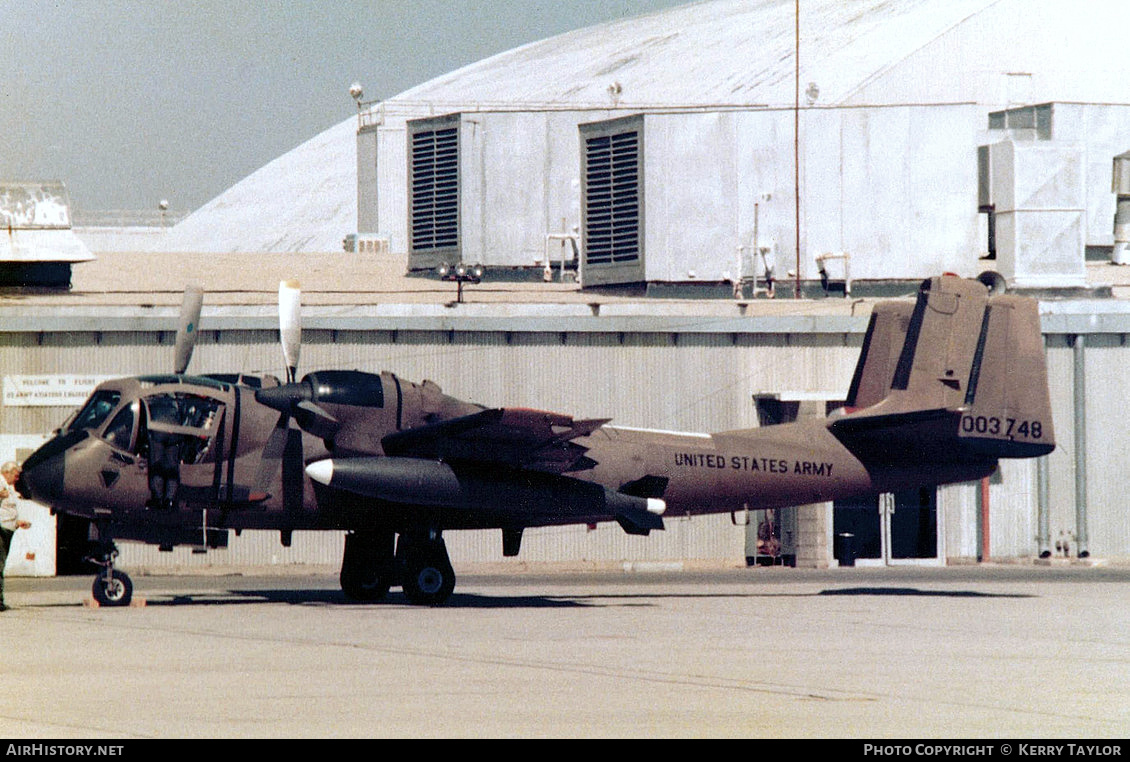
111	587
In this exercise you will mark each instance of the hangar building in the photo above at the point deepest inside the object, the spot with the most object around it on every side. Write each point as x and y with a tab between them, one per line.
931	134
665	145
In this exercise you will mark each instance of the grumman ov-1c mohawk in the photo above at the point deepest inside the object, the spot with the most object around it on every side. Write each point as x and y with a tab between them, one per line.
943	388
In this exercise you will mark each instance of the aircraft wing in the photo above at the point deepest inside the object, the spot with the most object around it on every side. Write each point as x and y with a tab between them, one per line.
519	437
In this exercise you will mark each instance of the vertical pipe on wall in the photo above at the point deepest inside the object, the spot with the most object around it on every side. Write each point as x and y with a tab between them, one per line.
1043	508
983	520
1043	536
1079	354
796	144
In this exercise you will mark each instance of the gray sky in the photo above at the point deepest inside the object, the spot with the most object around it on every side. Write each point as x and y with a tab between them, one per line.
133	101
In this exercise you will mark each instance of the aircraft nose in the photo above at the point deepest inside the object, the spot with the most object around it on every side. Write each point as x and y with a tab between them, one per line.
41	476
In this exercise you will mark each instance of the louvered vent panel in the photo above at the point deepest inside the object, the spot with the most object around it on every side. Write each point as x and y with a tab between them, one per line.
612	202
435	189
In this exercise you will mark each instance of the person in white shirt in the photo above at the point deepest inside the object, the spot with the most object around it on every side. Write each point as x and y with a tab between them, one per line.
10	519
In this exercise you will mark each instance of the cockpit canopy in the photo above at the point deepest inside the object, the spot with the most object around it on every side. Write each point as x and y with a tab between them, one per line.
94	413
138	408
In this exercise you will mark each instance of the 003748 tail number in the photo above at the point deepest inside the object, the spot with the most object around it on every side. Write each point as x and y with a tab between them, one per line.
1009	428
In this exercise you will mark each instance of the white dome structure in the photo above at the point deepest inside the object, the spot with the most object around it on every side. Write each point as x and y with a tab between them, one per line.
741	53
305	200
894	100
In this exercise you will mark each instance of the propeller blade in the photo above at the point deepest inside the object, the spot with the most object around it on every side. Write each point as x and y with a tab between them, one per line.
273	453
290	325
283	452
186	328
316	420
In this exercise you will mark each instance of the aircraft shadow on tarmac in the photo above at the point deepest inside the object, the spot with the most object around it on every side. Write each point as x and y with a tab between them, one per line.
334	597
915	592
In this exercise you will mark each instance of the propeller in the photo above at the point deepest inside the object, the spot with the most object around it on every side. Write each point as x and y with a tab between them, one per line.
187	327
284	398
293	400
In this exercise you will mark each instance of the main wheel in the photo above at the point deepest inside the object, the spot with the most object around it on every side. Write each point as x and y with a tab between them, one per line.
366	567
429	579
365	588
116	590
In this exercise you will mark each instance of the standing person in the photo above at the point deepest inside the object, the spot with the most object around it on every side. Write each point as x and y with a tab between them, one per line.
10	519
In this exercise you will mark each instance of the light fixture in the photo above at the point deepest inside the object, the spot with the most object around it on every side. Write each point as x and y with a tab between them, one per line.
460	275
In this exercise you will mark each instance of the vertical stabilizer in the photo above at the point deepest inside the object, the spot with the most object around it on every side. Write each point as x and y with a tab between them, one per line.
879	355
1008	407
969	378
936	362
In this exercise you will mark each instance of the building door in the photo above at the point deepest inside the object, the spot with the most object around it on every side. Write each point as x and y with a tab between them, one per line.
899	528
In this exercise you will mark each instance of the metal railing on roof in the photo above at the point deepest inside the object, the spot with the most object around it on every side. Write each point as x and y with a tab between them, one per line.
126	218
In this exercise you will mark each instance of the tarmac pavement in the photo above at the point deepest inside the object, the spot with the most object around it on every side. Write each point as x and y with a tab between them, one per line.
967	652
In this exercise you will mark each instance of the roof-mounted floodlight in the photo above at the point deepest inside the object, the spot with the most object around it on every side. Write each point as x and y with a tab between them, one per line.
460	274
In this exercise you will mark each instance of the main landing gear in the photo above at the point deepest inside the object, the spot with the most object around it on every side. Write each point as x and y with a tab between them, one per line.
111	587
420	565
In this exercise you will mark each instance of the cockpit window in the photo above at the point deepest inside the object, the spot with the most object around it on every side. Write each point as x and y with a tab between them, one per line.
120	431
183	423
180	409
96	409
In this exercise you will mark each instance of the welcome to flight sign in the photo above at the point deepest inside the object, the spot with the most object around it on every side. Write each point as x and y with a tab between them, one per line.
49	390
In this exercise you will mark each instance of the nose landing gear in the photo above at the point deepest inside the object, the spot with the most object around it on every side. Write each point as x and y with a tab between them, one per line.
111	587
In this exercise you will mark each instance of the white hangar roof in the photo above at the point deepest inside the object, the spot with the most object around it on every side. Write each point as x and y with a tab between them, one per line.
710	54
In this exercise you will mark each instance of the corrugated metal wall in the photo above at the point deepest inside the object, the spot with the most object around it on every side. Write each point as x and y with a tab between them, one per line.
681	381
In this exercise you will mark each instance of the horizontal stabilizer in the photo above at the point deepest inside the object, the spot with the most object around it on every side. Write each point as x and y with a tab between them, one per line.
907	437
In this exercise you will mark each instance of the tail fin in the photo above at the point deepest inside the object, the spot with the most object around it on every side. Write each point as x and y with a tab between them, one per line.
971	367
1008	405
877	359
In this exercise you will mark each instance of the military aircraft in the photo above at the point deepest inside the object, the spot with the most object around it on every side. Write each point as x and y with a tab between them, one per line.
944	386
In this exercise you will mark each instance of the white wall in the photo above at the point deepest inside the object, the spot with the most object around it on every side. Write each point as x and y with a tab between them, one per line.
33	550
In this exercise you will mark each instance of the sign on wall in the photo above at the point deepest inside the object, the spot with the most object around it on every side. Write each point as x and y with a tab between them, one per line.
49	390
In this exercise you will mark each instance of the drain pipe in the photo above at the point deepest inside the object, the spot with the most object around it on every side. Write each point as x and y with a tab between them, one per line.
1043	507
983	543
1043	539
1081	544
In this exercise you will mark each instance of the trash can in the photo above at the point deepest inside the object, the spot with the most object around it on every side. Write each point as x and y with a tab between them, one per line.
845	549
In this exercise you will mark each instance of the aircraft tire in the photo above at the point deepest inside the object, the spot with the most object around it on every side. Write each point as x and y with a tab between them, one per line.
429	579
365	590
117	591
366	575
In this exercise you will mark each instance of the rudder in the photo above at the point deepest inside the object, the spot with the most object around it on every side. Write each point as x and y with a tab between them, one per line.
1008	406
